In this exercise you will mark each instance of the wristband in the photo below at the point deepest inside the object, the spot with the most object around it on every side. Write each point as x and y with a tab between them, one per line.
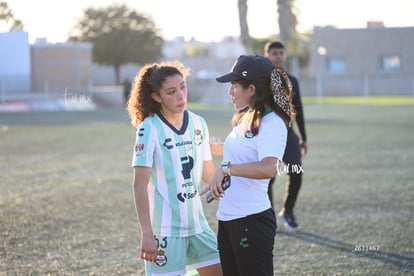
225	167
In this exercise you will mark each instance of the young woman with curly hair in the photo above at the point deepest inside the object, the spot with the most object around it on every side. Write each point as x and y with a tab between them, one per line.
171	160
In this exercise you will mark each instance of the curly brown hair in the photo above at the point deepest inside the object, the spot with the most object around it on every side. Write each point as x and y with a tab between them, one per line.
149	80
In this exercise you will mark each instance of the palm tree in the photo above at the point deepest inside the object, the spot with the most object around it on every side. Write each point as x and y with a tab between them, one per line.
287	23
245	37
287	20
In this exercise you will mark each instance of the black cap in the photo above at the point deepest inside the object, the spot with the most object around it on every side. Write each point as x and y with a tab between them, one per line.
253	68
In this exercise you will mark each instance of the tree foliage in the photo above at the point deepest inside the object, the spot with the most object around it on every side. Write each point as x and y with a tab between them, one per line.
119	36
7	18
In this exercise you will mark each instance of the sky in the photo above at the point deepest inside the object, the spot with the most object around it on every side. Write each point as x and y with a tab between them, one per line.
211	20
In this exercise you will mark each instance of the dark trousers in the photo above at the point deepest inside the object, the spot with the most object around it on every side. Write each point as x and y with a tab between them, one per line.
246	244
292	159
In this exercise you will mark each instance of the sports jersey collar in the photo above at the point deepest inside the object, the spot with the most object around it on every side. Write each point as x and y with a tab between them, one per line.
267	110
177	131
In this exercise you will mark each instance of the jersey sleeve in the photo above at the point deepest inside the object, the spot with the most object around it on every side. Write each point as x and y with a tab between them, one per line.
272	137
144	146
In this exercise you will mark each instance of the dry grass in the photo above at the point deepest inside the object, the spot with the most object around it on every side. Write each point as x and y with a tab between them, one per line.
66	205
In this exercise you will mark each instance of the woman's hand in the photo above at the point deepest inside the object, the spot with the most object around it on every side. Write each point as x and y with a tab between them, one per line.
149	248
303	147
215	187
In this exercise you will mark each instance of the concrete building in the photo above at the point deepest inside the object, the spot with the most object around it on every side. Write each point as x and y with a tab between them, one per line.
15	65
43	67
372	61
60	67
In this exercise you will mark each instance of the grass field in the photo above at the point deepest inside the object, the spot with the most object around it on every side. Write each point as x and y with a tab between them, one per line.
66	205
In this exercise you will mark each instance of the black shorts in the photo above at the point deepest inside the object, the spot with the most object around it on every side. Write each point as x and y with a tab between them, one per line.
246	244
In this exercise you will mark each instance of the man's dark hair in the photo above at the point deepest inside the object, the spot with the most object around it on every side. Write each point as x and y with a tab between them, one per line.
273	45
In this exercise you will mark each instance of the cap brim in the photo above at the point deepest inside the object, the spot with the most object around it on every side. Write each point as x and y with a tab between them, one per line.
227	78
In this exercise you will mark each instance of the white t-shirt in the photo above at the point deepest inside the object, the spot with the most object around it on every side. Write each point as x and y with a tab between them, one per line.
248	196
177	159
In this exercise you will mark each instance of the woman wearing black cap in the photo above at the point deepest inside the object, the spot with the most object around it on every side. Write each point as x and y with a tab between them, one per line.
261	95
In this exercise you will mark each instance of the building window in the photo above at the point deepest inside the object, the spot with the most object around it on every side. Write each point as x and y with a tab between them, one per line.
391	64
336	65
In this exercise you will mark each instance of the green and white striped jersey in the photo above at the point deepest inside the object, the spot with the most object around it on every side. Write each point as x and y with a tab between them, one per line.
176	158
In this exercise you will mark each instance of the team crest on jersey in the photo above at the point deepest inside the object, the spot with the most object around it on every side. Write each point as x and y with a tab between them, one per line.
161	258
198	137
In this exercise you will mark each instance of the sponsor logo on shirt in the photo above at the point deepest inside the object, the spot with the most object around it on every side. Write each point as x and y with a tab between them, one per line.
168	144
139	147
186	196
